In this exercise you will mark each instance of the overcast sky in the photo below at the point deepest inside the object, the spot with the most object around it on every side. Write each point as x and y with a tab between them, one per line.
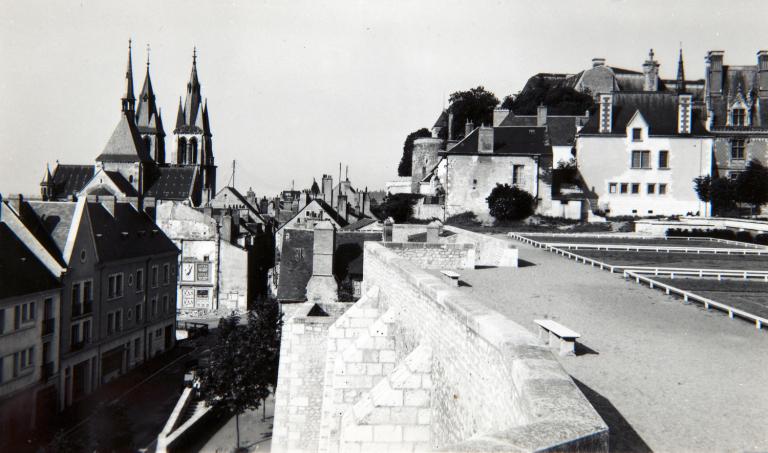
295	87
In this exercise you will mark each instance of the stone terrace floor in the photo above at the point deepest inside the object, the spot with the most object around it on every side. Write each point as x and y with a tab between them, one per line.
664	375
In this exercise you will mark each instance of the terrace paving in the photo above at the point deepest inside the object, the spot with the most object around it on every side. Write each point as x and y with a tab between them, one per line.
665	376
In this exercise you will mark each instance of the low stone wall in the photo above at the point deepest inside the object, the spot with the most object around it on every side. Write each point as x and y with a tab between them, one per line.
435	255
490	377
401	231
490	251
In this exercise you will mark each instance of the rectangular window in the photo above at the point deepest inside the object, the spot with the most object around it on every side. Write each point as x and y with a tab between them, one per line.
637	134
110	323
663	159
739	117
154	307
737	149
74	334
517	174
662	189
154	276
612	187
624	187
641	159
635	188
118	320
76	299
87	331
651	189
166	305
138	313
166	274
115	286
136	347
139	280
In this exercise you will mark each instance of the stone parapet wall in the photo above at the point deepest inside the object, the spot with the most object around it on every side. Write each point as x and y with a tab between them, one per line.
489	251
435	255
490	376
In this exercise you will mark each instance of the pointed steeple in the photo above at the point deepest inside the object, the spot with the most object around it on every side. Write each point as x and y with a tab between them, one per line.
180	116
680	73
193	101
129	100
146	112
46	185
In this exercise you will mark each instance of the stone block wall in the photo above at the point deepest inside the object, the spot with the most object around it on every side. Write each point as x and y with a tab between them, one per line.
435	256
489	251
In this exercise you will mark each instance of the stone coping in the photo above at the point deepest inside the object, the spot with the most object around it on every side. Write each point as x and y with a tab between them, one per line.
427	245
557	413
479	236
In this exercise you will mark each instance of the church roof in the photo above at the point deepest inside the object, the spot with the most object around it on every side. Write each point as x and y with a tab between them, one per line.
173	183
147	118
121	183
69	180
125	144
21	272
659	109
193	117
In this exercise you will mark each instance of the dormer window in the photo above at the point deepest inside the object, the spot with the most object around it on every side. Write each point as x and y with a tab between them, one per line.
637	134
739	117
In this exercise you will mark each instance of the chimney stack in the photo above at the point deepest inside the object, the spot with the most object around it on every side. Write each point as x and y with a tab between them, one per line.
651	72
328	189
468	127
598	62
606	113
322	286
450	126
714	72
684	104
762	71
485	140
342	207
541	115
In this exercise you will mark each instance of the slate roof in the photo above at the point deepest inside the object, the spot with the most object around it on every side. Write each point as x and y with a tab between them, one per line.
129	234
125	144
507	140
739	79
442	120
173	183
561	129
658	109
362	223
122	184
69	180
295	265
50	222
242	200
21	272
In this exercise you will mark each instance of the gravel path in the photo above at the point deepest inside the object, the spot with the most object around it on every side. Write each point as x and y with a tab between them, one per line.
666	376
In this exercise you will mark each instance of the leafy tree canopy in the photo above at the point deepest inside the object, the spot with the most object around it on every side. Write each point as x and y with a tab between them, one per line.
752	185
399	206
404	169
475	105
509	203
559	100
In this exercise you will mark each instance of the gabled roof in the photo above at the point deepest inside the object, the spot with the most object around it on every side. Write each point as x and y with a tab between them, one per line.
235	194
362	223
506	140
50	222
442	120
329	211
659	109
122	183
173	183
125	144
21	272
127	234
69	180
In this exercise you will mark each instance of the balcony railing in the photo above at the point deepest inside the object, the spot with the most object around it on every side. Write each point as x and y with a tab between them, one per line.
49	325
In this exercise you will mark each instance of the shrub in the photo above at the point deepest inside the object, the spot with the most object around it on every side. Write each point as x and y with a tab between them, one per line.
509	203
744	236
464	218
761	239
399	206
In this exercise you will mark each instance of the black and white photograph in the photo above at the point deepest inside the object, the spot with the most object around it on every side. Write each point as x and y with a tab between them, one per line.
383	226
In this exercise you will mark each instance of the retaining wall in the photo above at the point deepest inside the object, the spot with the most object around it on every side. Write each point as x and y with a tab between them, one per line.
489	251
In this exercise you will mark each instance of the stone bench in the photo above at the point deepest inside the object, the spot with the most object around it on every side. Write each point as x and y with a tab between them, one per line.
452	276
556	331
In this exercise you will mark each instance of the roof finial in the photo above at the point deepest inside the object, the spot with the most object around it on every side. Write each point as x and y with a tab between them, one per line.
148	50
650	55
194	55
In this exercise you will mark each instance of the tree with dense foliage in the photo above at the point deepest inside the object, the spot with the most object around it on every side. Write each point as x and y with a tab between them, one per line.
243	365
404	169
752	185
399	206
558	100
509	203
475	105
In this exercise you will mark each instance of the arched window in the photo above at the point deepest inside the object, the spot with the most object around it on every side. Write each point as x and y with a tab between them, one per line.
181	158
193	150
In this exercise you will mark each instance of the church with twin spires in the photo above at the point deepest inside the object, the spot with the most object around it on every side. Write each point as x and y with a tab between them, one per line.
134	163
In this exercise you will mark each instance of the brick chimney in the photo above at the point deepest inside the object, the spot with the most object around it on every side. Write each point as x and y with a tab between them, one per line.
541	116
762	71
684	106
468	127
485	140
714	72
651	73
328	189
606	113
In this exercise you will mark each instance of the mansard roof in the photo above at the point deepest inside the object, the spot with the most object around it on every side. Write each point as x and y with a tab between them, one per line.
69	180
125	144
21	272
659	109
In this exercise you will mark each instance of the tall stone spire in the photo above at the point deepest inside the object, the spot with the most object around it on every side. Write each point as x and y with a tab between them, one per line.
680	73
129	100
